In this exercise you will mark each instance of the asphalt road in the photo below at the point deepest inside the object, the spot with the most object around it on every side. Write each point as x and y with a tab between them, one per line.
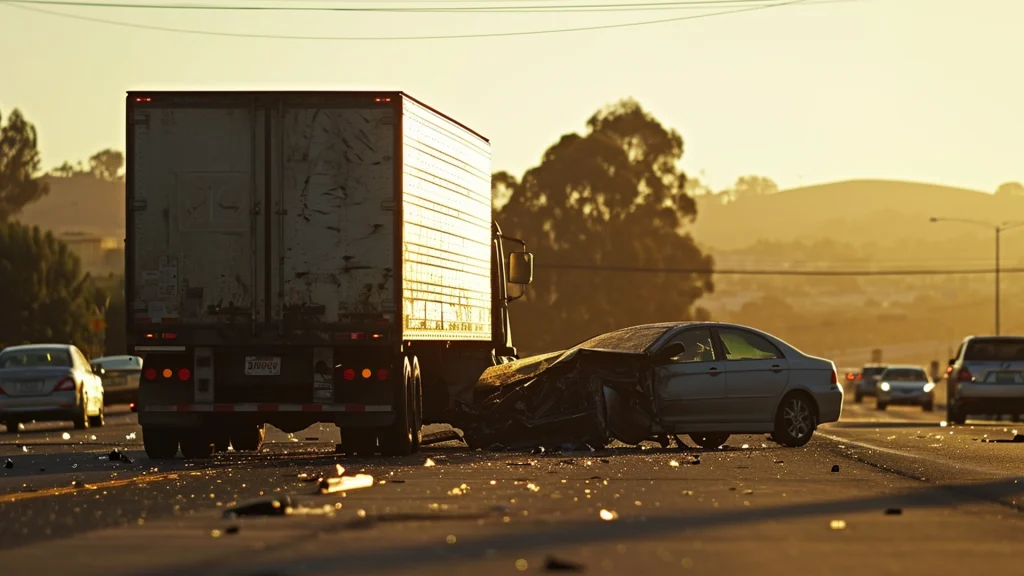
911	496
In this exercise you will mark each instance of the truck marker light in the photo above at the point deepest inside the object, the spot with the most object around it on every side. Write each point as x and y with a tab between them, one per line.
150	373
184	374
167	373
358	335
367	373
168	335
382	374
377	336
150	336
349	374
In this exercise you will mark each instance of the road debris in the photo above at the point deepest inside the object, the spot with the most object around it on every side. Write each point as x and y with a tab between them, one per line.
518	463
66	436
9	464
118	456
271	506
130	436
673	464
553	564
442	436
344	483
837	524
835	467
893	511
608	515
429	463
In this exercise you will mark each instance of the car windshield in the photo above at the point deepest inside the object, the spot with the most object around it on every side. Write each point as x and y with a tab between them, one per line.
30	357
995	350
905	375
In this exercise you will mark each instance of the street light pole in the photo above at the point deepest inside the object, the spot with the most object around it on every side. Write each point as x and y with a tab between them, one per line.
999	230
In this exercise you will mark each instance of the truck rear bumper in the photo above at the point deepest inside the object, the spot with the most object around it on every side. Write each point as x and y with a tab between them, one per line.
198	415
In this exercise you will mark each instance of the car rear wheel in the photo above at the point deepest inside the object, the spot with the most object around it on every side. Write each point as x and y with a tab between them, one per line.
12	426
160	443
98	420
881	406
858	398
709	441
928	406
954	415
795	421
81	419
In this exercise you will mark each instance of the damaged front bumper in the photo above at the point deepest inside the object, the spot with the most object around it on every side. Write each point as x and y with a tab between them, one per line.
576	397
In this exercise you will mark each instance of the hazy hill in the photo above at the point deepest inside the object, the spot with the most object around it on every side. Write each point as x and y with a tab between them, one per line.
80	203
858	212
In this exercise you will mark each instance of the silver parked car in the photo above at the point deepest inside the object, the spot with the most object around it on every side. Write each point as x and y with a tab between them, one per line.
120	378
48	382
986	377
905	385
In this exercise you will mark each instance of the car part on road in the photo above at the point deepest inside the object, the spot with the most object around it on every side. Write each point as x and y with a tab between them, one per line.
272	506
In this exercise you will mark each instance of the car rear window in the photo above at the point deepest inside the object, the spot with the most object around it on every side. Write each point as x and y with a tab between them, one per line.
905	375
995	350
870	371
35	357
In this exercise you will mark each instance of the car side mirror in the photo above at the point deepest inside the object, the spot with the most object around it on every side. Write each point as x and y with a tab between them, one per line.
520	268
670	351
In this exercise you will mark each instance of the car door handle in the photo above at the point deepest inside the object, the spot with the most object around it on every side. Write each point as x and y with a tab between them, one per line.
776	368
713	371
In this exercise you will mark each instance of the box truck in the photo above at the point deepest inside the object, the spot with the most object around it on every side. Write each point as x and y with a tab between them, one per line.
303	257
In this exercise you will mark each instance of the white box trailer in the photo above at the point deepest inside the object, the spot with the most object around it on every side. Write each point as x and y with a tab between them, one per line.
301	257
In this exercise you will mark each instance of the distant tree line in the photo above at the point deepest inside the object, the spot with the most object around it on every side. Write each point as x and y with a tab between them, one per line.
45	295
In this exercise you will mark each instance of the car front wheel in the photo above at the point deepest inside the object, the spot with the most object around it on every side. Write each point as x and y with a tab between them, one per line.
795	421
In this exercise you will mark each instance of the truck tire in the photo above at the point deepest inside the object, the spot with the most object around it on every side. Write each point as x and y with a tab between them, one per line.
416	395
196	445
396	439
359	441
248	437
160	443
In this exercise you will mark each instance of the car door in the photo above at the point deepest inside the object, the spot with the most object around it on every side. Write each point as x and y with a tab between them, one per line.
757	373
690	388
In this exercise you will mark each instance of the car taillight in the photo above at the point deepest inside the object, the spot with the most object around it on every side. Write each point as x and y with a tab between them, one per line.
65	384
835	377
849	376
964	375
860	376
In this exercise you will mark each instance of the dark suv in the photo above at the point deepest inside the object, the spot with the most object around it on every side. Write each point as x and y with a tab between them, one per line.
866	384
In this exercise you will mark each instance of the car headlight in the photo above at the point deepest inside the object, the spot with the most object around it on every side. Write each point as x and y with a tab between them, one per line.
884	386
929	387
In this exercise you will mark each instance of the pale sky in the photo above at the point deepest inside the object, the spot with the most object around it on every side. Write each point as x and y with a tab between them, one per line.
928	90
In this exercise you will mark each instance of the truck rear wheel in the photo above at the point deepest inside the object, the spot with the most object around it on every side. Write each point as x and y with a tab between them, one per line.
417	405
248	437
397	439
196	445
160	443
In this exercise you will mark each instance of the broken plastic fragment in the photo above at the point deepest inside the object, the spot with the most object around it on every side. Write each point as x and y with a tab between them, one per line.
674	464
745	446
340	469
893	511
9	464
608	515
277	506
837	524
92	437
835	467
943	424
66	436
429	463
345	483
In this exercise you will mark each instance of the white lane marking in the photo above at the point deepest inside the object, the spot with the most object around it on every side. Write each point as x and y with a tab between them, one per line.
934	460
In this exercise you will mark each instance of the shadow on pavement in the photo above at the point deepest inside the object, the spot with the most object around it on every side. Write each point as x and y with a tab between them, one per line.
540	539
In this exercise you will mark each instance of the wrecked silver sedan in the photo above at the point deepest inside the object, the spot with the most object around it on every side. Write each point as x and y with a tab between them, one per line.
703	379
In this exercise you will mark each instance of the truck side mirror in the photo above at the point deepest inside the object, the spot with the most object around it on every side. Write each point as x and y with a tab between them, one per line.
520	268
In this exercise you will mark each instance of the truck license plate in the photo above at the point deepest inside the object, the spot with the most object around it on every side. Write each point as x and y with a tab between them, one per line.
262	366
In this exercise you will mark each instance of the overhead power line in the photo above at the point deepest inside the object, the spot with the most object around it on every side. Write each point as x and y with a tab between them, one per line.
436	7
155	28
775	272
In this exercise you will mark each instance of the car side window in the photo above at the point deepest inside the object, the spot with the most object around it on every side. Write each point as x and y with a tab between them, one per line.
743	345
698	346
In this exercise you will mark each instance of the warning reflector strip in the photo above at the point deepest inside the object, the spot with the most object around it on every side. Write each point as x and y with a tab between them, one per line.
267	408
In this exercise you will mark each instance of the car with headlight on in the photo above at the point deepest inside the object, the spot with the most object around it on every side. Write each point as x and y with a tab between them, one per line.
866	381
905	385
49	382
